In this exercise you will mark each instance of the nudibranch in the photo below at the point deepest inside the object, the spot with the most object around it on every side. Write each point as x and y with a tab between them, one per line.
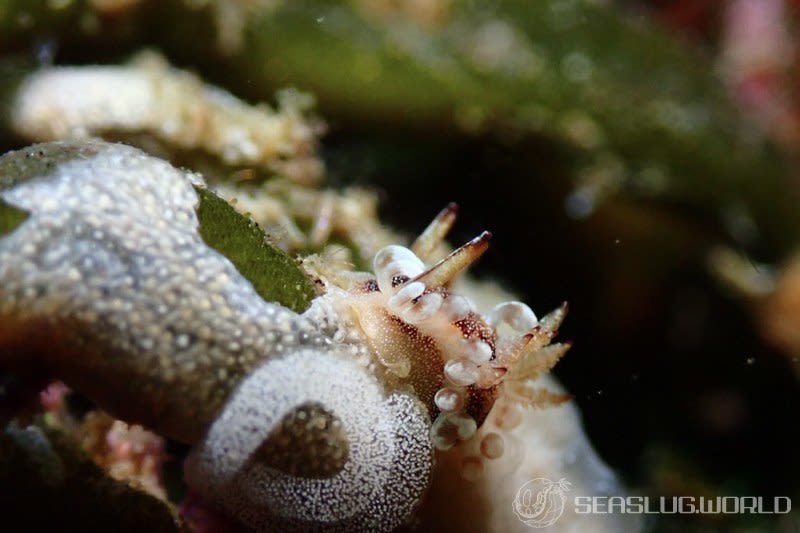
323	420
431	341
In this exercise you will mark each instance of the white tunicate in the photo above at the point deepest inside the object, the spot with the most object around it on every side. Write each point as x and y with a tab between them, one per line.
385	475
516	314
149	96
461	372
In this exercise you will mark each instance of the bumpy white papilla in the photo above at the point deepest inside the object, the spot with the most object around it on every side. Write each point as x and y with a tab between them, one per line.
386	471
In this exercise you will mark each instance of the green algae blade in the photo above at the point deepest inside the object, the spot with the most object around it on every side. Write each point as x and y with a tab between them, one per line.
10	218
274	275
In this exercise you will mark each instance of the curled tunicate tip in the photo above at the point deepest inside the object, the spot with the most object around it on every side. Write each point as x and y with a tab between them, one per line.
375	488
308	442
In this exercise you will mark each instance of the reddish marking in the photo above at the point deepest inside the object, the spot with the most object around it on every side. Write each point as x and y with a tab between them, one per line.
399	279
473	326
370	286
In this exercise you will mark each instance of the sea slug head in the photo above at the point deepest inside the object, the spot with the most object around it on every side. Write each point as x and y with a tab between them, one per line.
426	338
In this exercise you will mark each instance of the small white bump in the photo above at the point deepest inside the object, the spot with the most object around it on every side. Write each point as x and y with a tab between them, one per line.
449	400
425	308
443	434
492	446
516	314
478	352
449	429
393	253
386	277
400	301
465	425
461	372
182	340
508	416
394	261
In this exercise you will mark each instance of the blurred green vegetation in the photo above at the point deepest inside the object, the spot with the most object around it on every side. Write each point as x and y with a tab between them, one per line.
632	110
